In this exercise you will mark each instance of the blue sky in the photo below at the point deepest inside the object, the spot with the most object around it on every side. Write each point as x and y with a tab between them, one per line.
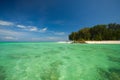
53	20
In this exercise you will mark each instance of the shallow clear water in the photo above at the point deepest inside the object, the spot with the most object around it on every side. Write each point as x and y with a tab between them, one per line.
55	61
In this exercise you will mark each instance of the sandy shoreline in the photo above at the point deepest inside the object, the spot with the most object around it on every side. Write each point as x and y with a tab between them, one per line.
93	42
102	42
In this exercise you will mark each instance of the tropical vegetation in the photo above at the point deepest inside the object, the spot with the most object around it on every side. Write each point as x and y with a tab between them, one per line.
98	32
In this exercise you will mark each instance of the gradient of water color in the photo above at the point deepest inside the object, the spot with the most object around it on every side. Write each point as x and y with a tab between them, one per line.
55	61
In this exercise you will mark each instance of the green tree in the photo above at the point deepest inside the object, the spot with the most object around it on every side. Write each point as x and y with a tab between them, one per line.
84	34
98	32
73	36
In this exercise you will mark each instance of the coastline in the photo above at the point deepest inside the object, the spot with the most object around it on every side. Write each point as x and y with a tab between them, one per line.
91	42
102	42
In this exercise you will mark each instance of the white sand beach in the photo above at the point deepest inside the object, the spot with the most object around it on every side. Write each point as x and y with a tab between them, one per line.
102	42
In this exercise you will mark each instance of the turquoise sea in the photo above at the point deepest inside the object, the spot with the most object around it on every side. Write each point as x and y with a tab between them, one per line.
55	61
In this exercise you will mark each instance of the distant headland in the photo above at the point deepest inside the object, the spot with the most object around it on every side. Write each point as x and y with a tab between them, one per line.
102	32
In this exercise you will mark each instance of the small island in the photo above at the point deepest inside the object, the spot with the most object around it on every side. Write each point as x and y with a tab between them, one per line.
102	33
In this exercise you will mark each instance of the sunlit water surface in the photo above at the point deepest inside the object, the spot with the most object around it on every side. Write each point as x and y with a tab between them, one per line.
55	61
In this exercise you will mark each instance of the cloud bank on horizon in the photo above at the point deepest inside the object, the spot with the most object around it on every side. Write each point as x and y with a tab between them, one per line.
53	20
10	31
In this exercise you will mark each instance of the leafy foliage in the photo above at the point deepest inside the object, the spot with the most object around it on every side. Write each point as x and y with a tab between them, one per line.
98	32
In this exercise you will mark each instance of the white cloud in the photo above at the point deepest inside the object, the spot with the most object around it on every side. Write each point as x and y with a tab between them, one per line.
8	32
9	38
10	35
33	29
43	30
23	32
28	28
6	23
14	35
21	26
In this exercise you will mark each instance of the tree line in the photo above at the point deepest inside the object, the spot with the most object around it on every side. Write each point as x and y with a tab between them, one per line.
98	32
